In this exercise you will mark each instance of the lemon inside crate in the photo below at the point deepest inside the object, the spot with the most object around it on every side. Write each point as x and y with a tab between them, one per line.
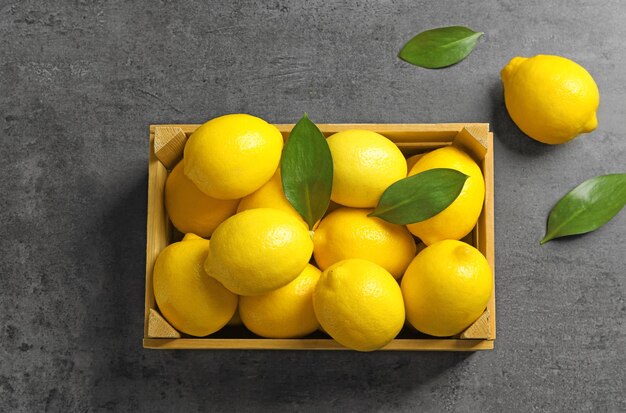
166	147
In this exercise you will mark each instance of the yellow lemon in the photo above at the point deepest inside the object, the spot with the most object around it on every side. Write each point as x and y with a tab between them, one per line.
459	218
188	298
446	288
191	210
550	98
270	195
283	313
365	163
258	250
232	156
350	233
359	304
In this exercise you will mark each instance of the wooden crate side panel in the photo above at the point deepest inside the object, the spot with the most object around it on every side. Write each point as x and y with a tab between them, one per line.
158	229
477	144
488	233
169	140
312	344
441	132
485	232
472	144
479	329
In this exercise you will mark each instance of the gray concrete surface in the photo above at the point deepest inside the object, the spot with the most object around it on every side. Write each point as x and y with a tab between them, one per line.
81	81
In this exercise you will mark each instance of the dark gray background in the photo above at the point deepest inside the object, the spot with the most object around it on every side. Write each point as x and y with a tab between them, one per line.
80	81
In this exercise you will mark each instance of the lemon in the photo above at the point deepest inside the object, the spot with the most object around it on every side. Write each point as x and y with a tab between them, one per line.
365	163
232	156
359	304
459	218
191	210
283	313
188	298
551	99
270	195
258	250
350	233
446	288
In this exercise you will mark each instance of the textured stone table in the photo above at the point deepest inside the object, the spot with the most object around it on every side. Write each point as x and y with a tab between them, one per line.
81	81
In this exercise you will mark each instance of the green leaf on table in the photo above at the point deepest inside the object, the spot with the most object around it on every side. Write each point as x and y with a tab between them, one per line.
587	207
420	196
437	48
307	171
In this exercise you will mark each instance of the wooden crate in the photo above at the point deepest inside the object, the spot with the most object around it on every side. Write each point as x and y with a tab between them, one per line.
166	147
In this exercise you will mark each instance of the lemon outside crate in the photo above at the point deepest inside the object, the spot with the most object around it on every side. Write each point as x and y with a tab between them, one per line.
166	149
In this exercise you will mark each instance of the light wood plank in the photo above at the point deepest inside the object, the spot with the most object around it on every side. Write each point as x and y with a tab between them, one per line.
158	228
484	231
488	233
312	344
481	148
397	132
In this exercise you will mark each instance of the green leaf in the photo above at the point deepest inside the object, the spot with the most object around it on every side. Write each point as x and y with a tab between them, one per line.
440	47
307	171
420	196
587	207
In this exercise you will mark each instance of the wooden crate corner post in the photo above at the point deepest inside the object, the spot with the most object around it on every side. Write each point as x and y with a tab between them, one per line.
474	141
159	328
169	144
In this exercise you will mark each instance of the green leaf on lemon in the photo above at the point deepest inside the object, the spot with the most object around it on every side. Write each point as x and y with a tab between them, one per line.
437	48
587	207
420	196
307	171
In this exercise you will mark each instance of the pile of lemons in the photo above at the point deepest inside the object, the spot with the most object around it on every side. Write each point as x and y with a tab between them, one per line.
247	253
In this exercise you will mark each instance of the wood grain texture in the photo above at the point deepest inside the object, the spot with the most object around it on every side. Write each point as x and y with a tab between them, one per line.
312	344
397	132
487	233
411	138
158	227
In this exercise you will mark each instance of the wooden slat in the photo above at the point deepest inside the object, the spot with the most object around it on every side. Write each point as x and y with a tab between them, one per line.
312	344
158	228
397	132
422	145
486	234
